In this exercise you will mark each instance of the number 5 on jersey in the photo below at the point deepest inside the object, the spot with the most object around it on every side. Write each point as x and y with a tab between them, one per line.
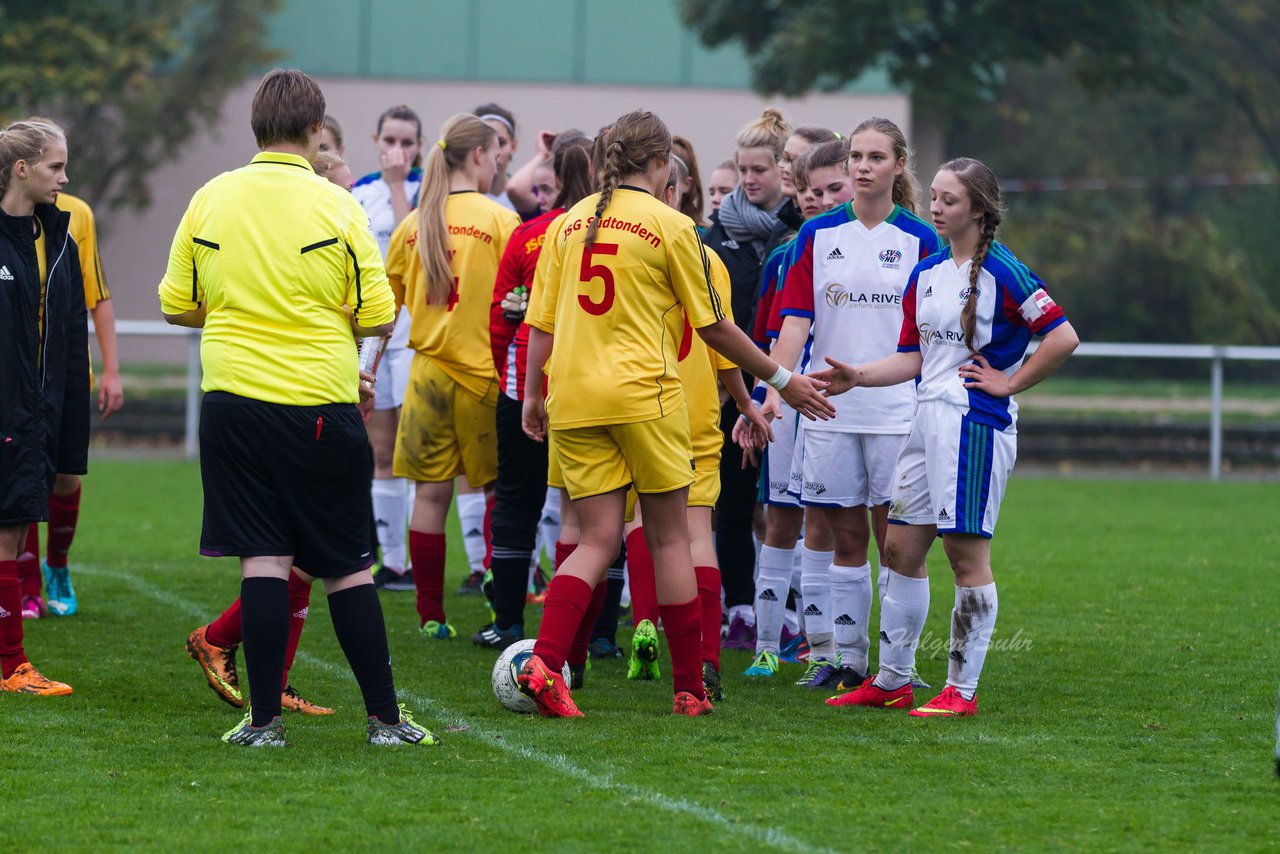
590	271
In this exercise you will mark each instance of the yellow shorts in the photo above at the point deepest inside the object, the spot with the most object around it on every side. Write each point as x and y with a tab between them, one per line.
653	455
705	491
444	431
555	478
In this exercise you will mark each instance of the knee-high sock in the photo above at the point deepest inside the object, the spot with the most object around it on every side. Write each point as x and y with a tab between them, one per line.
64	511
225	631
682	625
818	619
29	562
488	531
797	591
299	602
510	584
12	655
549	524
471	519
427	551
563	550
568	598
582	637
851	603
709	606
882	582
771	597
902	616
390	508
362	634
644	584
264	614
973	620
607	621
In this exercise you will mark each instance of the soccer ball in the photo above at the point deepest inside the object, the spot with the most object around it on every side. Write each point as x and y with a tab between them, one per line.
504	677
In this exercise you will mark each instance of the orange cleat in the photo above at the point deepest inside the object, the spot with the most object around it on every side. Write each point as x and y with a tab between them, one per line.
690	706
292	701
27	680
546	689
947	704
219	666
870	694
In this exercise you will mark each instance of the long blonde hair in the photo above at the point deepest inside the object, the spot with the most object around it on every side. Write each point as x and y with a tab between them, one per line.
633	140
906	189
27	141
984	195
461	135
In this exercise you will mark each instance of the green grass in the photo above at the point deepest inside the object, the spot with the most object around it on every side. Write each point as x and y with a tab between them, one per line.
1138	712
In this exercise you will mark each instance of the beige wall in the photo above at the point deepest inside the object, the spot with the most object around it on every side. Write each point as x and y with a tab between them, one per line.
135	246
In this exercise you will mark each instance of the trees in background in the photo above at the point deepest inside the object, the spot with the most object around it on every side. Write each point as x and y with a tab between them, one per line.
131	83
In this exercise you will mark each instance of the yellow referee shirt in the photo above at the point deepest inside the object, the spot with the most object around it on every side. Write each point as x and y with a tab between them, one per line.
85	233
279	256
455	336
615	309
698	368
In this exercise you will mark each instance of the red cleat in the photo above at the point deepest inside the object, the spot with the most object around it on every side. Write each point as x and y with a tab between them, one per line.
690	706
870	694
947	704
546	689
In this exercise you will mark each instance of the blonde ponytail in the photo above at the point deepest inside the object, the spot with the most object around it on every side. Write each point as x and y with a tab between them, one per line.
27	141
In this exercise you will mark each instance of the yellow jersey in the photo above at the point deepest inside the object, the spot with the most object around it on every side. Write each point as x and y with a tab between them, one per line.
698	369
455	336
278	256
85	233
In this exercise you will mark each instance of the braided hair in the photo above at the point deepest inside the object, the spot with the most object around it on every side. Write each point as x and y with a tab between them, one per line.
633	141
984	195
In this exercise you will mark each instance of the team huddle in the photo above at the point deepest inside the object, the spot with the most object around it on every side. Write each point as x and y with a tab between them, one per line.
720	411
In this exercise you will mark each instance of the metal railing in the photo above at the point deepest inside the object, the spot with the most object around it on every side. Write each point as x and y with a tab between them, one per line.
1216	355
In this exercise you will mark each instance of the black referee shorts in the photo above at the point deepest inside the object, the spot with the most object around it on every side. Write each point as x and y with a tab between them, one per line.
285	480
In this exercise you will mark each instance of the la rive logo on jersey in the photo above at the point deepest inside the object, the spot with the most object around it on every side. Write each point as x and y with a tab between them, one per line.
946	337
838	296
889	259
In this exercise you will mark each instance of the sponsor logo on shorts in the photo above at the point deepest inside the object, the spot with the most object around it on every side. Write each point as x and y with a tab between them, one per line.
300	615
943	516
778	485
889	259
814	486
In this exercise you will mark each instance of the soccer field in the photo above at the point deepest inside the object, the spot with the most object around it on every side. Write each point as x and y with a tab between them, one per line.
1133	706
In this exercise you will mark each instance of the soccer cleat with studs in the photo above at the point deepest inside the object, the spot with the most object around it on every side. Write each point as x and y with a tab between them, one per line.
219	666
32	607
245	734
870	695
437	630
492	637
711	682
689	706
819	674
848	679
546	689
949	704
292	701
62	596
405	732
25	679
765	664
644	652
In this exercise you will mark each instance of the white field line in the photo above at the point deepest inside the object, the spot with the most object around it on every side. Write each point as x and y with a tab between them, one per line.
603	781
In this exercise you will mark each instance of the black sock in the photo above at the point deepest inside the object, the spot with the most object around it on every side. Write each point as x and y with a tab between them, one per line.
607	623
510	584
357	621
264	622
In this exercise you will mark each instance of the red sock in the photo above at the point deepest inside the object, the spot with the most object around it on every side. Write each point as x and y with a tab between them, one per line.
225	631
427	554
488	531
563	550
644	585
29	562
709	603
578	651
568	599
299	599
11	654
682	625
64	510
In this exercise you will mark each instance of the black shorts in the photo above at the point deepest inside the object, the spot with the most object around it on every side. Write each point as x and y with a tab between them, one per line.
285	480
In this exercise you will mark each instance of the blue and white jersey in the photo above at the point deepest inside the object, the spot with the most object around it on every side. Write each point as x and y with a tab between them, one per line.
849	281
374	195
1012	306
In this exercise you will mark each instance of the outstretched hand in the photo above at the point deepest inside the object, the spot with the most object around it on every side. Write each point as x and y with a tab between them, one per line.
837	379
808	396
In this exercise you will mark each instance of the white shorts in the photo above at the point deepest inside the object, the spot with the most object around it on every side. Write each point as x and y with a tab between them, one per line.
393	370
847	469
952	472
776	470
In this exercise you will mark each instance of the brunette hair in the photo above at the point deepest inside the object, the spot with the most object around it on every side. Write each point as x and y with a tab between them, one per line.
815	135
832	153
571	162
692	201
488	111
984	195
800	170
404	114
633	141
906	190
332	126
286	106
461	135
27	141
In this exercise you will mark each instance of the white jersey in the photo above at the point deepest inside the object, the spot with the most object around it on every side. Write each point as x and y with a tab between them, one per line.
374	195
1012	306
849	280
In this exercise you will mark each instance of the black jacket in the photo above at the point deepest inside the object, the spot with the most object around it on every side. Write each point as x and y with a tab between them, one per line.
745	260
44	374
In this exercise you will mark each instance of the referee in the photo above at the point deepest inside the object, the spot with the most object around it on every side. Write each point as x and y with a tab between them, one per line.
278	267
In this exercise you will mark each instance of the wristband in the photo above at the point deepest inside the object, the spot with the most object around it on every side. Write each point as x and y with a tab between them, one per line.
779	380
758	394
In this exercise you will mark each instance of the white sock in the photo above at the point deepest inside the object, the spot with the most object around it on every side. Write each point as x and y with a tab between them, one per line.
771	597
973	620
471	519
792	621
902	615
549	525
816	584
882	583
759	544
797	593
851	603
390	512
744	613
